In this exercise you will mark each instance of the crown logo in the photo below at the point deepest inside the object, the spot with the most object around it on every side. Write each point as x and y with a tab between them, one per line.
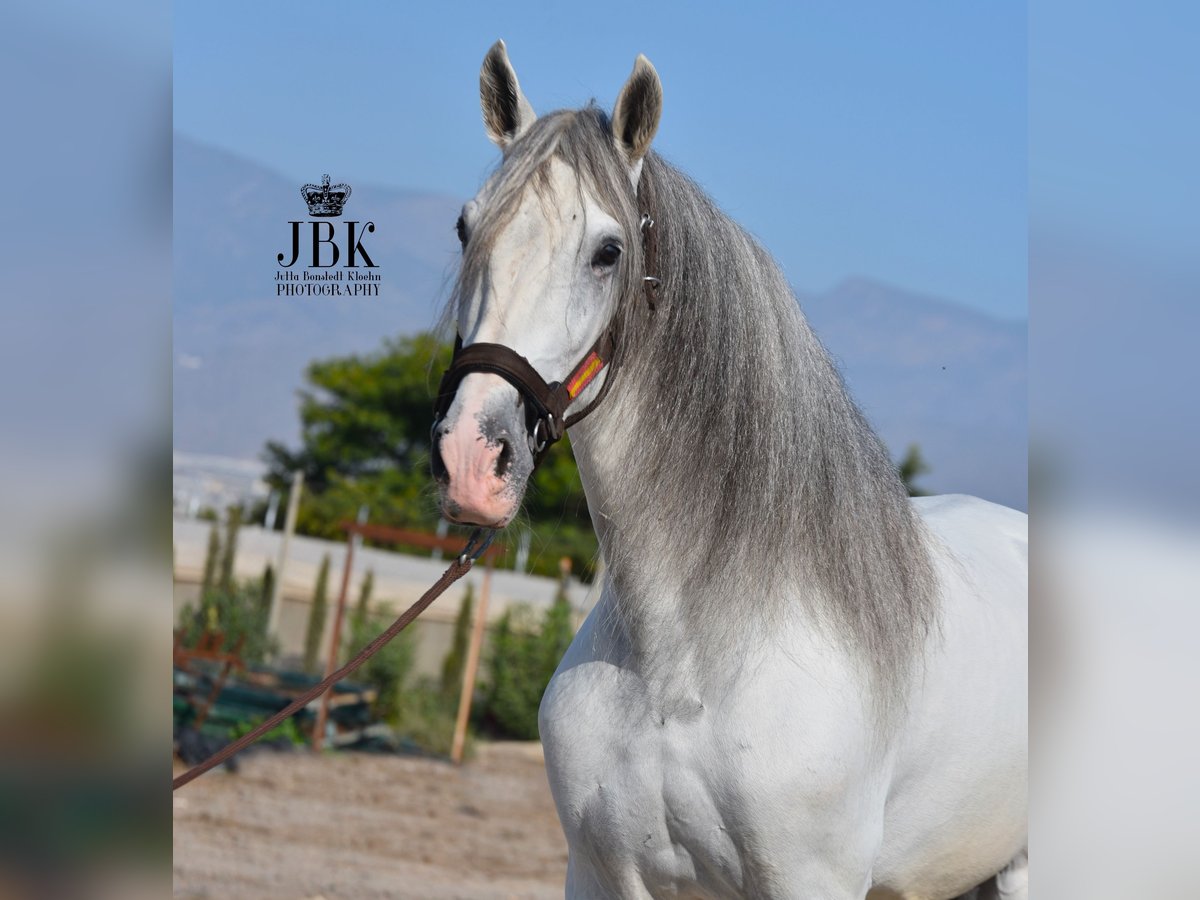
325	199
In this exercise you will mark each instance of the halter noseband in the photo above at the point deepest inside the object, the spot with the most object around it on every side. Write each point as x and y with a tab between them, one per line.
546	403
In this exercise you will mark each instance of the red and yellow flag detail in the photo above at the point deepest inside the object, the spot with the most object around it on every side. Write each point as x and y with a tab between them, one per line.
585	374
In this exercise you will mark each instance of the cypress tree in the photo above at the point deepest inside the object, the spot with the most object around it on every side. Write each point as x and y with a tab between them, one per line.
233	522
316	618
364	598
557	631
263	613
456	658
210	562
268	588
911	468
556	634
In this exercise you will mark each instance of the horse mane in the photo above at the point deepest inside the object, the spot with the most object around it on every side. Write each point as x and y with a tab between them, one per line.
744	461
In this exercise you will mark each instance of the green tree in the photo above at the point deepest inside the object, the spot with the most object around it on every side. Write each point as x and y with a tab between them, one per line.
316	618
362	414
912	467
456	658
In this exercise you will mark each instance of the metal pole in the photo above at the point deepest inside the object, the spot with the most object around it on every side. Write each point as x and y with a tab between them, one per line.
289	526
335	643
469	670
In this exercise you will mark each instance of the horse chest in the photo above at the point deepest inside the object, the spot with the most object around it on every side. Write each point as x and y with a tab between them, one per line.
647	787
666	788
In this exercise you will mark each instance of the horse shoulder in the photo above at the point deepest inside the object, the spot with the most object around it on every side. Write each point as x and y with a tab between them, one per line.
957	808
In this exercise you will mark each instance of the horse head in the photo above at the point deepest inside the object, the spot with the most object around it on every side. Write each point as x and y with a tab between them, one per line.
552	245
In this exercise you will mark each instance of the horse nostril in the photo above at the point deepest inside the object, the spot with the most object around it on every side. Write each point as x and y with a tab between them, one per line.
440	473
504	460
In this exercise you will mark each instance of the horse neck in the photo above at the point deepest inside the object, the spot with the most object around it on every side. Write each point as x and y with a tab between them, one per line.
671	585
728	469
676	630
715	357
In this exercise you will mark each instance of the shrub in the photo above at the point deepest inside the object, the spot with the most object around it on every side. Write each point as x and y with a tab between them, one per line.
239	613
288	729
522	660
426	720
388	670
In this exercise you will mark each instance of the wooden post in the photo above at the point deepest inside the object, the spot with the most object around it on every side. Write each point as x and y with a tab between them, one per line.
335	641
470	669
289	526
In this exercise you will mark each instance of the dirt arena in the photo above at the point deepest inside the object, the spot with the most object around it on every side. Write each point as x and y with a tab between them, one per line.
359	826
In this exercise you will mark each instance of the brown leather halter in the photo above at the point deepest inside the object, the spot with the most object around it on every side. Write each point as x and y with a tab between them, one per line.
546	403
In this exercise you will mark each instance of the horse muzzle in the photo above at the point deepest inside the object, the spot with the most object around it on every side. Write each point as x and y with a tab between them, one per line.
480	455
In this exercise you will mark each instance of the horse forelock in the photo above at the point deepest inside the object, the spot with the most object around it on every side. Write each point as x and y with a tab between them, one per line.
582	139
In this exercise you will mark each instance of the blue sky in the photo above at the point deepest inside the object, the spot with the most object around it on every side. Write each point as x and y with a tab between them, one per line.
888	142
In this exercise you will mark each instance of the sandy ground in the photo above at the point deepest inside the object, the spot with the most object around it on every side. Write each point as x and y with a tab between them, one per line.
352	825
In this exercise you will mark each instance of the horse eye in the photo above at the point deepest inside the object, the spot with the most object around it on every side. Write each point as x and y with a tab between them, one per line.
461	227
607	256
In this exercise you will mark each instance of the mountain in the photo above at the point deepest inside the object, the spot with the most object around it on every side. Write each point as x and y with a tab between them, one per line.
925	370
937	374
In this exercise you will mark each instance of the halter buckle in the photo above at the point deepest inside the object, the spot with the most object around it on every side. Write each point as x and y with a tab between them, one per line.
541	434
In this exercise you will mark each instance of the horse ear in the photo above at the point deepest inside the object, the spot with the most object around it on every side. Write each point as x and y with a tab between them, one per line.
506	112
639	107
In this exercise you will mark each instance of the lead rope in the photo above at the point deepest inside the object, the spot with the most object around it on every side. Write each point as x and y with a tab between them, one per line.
476	545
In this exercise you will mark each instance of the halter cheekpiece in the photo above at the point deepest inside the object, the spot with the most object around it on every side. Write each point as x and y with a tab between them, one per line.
546	403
